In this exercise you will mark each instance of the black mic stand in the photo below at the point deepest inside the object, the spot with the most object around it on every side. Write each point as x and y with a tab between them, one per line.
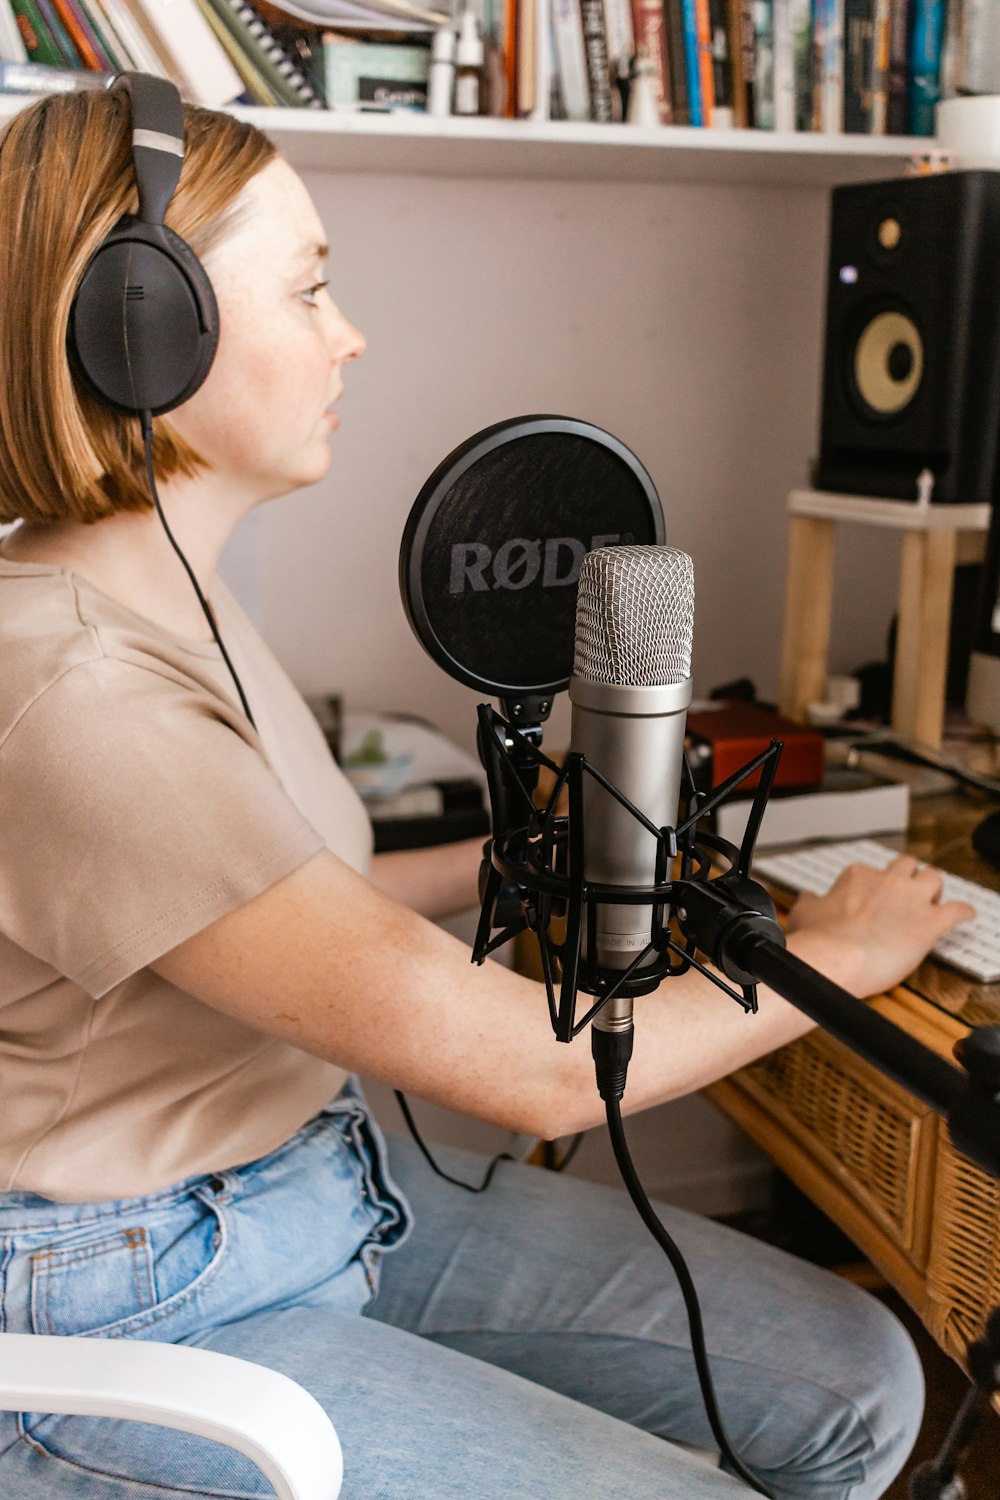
732	921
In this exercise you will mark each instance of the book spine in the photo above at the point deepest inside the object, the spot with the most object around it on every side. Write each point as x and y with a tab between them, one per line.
691	62
803	54
880	68
748	58
763	72
571	59
275	53
897	104
85	40
142	55
981	48
12	46
828	45
598	67
706	64
738	84
527	69
953	51
59	34
619	31
722	72
784	67
674	32
543	60
926	42
649	26
197	58
40	78
256	89
859	55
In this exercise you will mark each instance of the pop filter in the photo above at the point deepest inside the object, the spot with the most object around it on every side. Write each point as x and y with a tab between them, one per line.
492	548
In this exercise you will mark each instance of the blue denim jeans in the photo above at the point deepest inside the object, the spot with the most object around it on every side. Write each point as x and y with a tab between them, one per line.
528	1343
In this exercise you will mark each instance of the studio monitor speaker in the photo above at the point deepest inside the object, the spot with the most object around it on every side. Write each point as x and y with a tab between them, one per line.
983	700
911	376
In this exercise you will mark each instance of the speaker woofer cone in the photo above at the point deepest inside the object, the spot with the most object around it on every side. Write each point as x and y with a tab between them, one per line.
888	364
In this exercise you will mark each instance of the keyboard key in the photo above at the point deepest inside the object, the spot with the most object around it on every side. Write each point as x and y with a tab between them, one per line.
973	948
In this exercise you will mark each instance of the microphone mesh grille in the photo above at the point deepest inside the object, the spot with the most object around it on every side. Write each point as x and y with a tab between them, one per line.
635	616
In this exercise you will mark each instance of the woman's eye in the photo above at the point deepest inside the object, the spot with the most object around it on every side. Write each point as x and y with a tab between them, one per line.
310	292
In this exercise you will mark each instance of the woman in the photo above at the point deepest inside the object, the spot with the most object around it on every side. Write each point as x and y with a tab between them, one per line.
199	954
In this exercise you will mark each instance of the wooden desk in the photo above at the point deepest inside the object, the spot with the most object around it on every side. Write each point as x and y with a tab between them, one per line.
877	1161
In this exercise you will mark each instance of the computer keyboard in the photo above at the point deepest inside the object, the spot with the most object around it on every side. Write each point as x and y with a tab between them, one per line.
973	948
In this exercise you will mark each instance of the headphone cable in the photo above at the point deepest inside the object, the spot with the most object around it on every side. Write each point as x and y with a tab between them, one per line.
147	434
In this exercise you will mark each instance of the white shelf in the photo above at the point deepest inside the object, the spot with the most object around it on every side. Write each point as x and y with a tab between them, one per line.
414	144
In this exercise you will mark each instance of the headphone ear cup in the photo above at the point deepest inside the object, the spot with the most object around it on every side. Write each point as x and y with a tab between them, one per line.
144	325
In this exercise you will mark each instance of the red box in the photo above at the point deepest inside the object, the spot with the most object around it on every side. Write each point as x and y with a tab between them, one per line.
728	734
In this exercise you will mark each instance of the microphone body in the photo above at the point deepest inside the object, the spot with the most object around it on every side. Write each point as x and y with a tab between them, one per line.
629	691
635	737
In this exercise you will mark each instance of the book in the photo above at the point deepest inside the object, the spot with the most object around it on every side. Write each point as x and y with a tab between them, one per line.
620	32
649	26
803	54
255	35
39	78
763	64
850	803
571	59
12	46
598	65
897	87
197	60
692	67
60	36
144	55
880	68
859	65
784	65
980	48
722	71
828	66
92	47
706	62
674	43
246	39
375	73
926	43
741	55
257	89
39	43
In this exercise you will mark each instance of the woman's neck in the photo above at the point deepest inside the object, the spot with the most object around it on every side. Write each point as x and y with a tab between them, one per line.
129	557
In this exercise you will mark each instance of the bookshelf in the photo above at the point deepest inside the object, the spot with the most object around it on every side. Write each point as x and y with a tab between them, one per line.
489	148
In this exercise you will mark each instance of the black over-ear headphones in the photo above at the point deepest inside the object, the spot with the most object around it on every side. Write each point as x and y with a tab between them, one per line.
144	325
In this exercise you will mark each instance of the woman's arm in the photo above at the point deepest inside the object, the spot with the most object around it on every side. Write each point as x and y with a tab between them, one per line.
434	882
327	962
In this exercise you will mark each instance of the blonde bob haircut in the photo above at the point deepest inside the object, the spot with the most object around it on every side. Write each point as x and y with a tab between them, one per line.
66	179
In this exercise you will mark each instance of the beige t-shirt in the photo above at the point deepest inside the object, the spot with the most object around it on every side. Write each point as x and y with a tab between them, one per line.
137	805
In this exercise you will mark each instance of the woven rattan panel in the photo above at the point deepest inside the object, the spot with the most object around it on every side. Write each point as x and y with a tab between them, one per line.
963	1276
869	1140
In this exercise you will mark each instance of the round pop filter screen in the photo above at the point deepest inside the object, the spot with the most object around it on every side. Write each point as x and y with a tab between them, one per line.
492	548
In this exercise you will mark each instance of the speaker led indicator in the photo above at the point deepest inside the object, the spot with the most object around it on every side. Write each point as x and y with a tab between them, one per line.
849	275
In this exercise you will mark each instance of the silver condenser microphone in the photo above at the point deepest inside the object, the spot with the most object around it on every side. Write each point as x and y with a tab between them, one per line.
630	689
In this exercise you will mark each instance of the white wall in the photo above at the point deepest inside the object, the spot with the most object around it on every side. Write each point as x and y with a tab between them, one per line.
688	322
685	320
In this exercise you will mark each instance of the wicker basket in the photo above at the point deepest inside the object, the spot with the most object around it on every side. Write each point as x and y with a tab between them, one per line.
872	1137
963	1274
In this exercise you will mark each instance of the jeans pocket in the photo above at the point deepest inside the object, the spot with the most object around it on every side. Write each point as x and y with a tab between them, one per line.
118	1281
82	1285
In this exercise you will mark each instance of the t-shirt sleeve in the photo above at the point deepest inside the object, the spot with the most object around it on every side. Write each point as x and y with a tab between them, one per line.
134	811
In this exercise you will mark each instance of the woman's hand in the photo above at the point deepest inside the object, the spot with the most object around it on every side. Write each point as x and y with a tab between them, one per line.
884	921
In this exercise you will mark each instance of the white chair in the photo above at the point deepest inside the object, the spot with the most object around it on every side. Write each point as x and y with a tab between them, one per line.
262	1414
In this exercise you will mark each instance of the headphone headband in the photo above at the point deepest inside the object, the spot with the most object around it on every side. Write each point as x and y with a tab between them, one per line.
157	139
